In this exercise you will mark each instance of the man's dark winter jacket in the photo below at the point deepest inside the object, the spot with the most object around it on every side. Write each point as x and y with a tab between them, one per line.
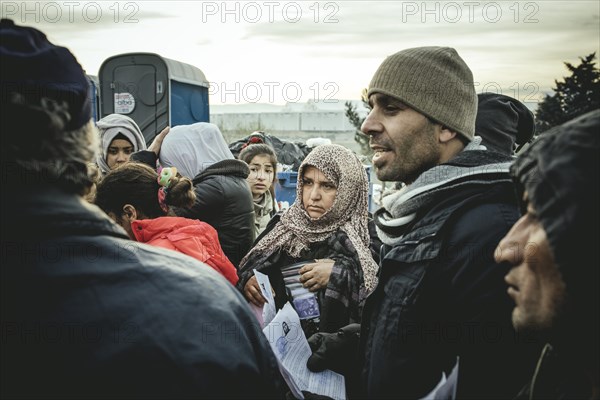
440	294
88	312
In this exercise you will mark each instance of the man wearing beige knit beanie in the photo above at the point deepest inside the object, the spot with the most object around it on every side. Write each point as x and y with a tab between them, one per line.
441	296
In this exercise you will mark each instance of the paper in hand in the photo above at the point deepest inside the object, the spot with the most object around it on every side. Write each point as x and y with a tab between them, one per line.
269	311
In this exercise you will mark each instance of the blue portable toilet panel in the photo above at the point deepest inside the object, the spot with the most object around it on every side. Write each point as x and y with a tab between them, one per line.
188	105
154	91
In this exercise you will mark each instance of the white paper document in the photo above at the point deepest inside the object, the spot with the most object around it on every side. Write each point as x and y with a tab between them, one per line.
268	310
446	387
292	350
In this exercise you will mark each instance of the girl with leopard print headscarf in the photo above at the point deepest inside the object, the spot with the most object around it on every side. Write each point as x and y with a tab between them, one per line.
336	236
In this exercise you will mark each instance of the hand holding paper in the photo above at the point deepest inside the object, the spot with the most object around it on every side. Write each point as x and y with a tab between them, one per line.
268	308
291	348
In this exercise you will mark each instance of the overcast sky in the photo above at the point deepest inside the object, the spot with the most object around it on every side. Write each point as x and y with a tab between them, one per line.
276	51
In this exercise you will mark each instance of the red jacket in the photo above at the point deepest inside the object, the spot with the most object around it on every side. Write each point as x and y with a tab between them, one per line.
188	236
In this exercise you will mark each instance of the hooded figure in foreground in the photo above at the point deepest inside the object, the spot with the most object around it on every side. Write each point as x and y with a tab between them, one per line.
87	313
553	252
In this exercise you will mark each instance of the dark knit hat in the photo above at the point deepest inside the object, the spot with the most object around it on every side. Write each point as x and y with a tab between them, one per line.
36	69
434	81
503	121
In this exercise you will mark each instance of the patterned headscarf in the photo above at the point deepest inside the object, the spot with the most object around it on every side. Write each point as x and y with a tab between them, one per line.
297	230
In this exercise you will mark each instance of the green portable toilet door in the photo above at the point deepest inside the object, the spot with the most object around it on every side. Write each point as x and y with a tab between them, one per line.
138	94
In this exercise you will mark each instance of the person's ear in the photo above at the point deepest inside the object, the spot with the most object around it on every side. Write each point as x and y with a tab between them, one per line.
129	212
446	134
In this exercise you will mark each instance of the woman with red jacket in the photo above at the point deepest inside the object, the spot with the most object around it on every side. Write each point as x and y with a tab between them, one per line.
139	199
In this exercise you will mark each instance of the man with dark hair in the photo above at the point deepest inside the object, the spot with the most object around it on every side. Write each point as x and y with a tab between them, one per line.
553	252
440	293
85	311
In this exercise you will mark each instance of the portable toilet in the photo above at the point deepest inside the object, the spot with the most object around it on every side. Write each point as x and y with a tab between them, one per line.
154	91
94	94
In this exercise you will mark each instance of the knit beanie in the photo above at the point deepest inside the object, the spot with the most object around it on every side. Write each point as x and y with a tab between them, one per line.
434	81
36	69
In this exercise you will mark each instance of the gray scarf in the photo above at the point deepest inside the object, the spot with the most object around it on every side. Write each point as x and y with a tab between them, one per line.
473	166
262	212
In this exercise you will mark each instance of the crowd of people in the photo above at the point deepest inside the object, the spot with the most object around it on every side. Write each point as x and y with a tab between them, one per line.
128	268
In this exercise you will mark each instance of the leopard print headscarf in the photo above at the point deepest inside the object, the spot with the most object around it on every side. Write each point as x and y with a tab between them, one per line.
297	230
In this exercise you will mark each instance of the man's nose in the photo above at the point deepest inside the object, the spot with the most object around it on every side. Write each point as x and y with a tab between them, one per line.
510	249
370	125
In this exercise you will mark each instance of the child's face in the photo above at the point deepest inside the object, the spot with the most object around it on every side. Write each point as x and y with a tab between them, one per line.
261	175
118	152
